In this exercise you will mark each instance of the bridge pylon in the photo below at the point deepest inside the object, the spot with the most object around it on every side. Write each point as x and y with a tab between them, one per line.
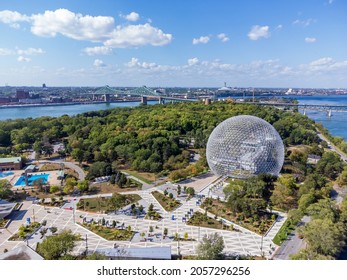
144	100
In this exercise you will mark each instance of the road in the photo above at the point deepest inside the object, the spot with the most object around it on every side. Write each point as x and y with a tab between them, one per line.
332	147
292	244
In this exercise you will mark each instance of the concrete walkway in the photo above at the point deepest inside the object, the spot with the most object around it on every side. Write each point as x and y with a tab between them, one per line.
242	242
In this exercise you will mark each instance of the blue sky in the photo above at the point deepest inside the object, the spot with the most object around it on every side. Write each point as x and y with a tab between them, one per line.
193	43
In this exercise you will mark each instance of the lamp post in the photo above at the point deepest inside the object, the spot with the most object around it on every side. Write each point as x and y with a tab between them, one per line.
261	245
86	244
178	248
73	214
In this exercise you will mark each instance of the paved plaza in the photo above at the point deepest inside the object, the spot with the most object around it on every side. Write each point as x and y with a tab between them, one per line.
240	242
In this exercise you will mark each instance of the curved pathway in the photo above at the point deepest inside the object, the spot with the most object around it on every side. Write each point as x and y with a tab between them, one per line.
71	165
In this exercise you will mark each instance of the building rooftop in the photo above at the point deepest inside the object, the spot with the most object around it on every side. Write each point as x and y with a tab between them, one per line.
21	253
10	159
151	253
6	208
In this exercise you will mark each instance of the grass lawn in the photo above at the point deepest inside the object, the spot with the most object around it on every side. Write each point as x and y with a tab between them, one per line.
166	202
147	177
50	167
200	220
97	204
260	225
107	187
110	233
282	234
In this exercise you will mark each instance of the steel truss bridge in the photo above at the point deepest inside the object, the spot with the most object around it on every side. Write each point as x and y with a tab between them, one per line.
144	92
303	107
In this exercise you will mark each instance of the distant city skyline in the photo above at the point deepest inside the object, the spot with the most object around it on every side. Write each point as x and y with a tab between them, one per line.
250	43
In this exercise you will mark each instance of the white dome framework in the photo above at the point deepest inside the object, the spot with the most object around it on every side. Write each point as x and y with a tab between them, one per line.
244	146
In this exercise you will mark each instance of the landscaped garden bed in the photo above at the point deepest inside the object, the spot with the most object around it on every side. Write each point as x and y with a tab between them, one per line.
107	204
259	223
169	204
54	202
3	223
202	220
17	206
25	231
152	214
110	233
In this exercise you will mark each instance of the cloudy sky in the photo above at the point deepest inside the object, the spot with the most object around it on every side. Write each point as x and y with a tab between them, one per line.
195	43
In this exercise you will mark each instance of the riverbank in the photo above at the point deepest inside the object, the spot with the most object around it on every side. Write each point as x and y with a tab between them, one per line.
65	104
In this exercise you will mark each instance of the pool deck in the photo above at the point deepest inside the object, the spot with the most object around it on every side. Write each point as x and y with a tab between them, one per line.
52	178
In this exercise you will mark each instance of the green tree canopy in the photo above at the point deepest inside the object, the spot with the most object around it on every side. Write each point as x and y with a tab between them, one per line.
324	237
210	247
57	246
5	189
330	165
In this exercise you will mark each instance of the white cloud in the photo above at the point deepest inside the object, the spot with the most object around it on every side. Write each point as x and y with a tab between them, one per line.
257	32
69	24
20	52
30	51
12	18
193	61
99	50
201	40
322	61
99	63
305	22
23	59
330	1
310	40
134	63
6	51
322	72
279	27
223	37
90	28
133	16
137	35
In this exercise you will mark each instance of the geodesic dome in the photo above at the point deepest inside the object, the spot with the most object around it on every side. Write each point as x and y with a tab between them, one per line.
244	146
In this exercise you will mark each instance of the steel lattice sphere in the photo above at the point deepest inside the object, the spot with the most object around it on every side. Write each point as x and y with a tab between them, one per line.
244	146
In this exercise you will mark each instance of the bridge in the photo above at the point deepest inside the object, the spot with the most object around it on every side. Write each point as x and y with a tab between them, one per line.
144	92
304	107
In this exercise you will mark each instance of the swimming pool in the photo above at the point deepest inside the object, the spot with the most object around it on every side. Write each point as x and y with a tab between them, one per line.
31	179
5	174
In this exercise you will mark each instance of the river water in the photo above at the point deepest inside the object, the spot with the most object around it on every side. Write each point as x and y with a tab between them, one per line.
337	124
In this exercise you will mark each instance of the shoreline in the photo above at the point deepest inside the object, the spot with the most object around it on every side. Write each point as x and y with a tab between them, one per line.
65	104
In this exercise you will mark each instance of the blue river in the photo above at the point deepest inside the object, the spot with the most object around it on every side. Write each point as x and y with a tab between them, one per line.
337	124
